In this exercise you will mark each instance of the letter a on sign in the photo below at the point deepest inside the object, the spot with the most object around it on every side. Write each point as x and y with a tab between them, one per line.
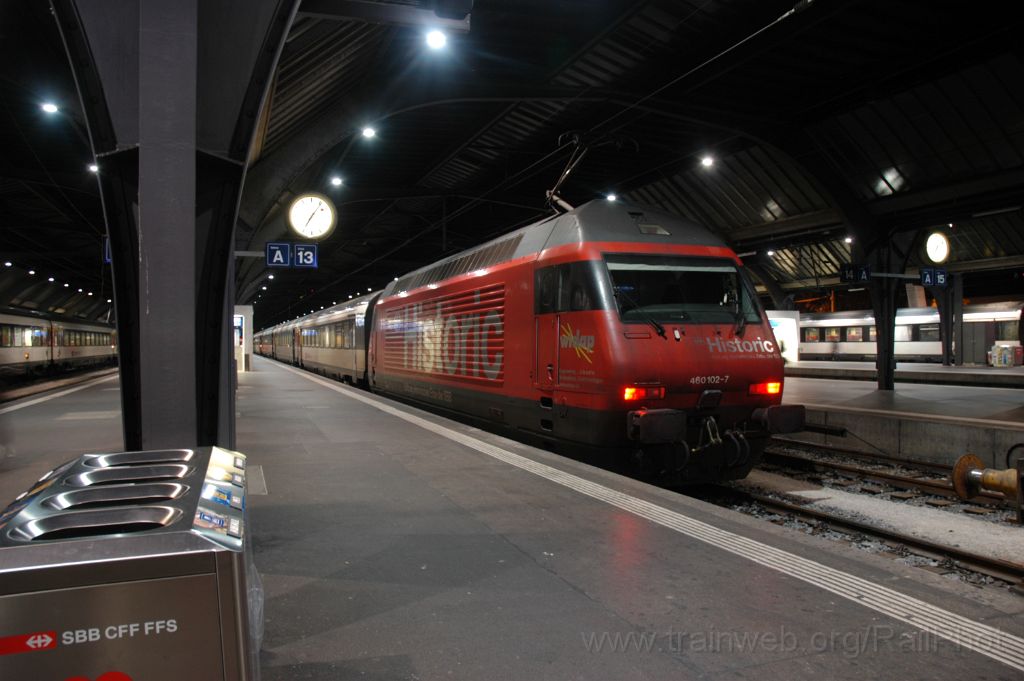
279	254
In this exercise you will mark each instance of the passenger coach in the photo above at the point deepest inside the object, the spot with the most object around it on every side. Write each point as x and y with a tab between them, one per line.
34	342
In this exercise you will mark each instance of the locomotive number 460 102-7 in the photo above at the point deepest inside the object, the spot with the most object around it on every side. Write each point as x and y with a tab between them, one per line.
709	380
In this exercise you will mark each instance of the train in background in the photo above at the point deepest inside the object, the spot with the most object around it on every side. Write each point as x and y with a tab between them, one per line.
851	335
609	326
38	343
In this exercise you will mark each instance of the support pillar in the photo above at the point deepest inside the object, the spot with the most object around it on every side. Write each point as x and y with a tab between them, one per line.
172	91
884	292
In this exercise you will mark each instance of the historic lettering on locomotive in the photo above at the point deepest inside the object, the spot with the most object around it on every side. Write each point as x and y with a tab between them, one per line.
458	335
738	345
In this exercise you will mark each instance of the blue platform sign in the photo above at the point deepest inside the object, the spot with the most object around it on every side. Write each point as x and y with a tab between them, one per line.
933	276
279	254
851	273
305	255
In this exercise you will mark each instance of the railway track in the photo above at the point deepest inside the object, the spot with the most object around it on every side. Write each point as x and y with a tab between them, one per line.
937	486
1012	573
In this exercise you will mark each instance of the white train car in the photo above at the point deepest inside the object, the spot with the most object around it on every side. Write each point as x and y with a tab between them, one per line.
851	335
332	343
38	343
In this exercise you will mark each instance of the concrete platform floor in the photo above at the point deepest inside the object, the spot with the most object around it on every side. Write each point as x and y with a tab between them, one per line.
912	372
397	545
394	544
1002	405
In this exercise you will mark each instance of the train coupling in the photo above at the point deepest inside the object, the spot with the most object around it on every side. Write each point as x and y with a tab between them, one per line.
780	418
656	426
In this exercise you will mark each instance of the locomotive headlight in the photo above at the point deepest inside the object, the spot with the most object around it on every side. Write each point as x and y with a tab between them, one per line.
632	393
767	388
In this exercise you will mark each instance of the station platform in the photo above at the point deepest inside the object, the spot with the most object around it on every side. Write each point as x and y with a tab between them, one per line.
913	372
916	421
395	544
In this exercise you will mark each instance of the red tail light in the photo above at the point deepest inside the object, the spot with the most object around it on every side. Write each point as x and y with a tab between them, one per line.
768	388
633	393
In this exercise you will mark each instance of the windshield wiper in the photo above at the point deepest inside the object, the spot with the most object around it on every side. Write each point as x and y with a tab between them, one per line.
741	318
636	307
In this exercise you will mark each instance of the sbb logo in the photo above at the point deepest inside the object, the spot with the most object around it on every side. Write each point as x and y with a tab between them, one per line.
80	636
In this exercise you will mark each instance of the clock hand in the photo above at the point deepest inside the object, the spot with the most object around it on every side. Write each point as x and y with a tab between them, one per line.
310	218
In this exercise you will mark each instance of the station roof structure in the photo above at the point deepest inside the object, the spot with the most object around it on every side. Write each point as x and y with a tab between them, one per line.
778	127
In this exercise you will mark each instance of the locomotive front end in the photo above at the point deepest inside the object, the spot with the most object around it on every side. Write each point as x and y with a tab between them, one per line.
702	375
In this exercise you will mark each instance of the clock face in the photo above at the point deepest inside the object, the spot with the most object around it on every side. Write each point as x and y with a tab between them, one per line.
312	216
937	247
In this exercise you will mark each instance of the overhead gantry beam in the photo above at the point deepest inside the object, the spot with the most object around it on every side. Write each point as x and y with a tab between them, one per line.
446	15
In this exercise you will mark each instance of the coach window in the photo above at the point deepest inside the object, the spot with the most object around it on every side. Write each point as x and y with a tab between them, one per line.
872	335
928	332
854	334
902	334
832	334
1008	331
812	335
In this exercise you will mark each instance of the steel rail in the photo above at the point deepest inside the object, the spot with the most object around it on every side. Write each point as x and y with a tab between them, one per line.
993	567
942	488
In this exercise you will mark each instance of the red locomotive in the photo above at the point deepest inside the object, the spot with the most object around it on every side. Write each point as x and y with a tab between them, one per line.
608	326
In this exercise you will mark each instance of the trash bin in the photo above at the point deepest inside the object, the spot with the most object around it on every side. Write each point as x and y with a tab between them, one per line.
131	566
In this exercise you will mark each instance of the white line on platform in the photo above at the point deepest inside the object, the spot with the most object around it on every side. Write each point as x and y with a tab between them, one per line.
257	482
982	638
89	415
62	393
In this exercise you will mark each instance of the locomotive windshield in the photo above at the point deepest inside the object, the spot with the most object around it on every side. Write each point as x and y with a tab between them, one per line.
679	290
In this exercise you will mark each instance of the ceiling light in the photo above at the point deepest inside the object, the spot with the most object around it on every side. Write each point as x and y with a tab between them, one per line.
848	240
369	132
951	225
271	276
368	289
93	168
611	197
396	278
436	40
66	285
31	271
49	107
336	181
771	253
50	279
79	290
707	161
89	293
108	300
263	288
350	297
8	263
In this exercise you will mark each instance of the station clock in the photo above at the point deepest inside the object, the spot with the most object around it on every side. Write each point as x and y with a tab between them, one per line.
937	247
312	216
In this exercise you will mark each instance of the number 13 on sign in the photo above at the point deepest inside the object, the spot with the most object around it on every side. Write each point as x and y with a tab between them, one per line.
305	255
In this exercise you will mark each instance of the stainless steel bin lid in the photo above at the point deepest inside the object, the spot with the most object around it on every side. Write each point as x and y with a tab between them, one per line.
192	499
